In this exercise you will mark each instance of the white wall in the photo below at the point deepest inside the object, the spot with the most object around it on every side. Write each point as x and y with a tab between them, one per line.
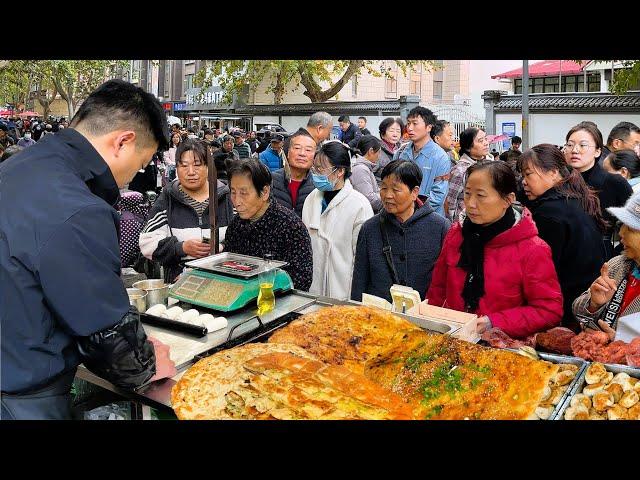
552	127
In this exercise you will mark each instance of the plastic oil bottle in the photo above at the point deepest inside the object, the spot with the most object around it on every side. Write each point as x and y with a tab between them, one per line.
266	278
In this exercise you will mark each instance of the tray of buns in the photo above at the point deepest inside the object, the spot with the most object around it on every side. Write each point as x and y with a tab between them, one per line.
604	392
556	393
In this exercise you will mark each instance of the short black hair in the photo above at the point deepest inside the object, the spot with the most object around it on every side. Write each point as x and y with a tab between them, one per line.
255	169
363	118
387	122
438	128
516	139
406	171
118	104
426	114
208	132
344	118
622	131
198	148
366	142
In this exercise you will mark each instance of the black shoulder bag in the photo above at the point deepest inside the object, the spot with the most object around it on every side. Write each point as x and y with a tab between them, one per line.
388	254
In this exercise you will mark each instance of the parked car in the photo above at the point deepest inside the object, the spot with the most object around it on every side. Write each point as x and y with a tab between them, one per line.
271	128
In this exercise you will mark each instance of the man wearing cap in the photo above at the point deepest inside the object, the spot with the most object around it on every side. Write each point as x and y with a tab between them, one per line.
242	147
273	157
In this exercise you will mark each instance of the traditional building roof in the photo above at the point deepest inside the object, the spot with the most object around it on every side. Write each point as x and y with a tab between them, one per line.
329	107
597	102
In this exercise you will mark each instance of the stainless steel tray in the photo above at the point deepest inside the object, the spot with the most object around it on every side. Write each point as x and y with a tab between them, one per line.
579	383
213	264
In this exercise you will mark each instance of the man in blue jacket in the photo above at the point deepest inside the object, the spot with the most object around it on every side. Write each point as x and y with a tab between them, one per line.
273	157
63	302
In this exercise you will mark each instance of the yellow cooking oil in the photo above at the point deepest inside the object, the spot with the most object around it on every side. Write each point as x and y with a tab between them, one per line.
266	298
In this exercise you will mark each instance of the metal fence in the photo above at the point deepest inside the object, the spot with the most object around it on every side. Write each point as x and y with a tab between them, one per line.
459	116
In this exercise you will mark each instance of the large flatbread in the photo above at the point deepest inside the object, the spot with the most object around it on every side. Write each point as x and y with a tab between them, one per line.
344	335
453	379
287	387
201	393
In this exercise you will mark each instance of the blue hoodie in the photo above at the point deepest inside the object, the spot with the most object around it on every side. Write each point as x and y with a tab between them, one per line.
271	159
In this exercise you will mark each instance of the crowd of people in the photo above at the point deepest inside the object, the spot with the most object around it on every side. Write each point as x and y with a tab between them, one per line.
527	241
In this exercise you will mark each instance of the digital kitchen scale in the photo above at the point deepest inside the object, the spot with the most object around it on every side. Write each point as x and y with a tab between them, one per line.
226	281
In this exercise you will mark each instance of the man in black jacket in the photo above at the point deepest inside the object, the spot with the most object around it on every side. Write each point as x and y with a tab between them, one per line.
63	302
291	184
350	133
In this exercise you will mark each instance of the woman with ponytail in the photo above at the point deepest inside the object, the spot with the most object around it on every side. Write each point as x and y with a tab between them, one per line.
567	214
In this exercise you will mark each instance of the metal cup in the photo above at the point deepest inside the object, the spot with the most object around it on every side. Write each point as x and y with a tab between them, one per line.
138	299
157	291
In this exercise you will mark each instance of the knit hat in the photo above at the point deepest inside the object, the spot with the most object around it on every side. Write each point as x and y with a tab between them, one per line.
630	213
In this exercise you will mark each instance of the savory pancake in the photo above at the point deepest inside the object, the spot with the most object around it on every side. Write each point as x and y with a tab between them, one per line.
200	393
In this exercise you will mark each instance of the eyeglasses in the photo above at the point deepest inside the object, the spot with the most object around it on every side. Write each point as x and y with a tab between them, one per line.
582	147
321	170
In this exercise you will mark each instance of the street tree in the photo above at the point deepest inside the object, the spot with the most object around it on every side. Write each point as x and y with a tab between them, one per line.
322	79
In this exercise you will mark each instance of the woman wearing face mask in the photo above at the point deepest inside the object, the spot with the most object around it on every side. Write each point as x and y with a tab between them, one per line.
583	145
567	214
265	226
362	177
390	130
493	263
333	214
26	141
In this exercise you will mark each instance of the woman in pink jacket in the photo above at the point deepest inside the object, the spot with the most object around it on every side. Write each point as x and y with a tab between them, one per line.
494	264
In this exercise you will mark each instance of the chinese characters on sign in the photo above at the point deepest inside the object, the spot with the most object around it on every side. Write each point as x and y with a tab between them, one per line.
209	98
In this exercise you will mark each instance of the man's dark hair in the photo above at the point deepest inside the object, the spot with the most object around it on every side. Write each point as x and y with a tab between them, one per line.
438	128
516	139
426	114
622	131
117	104
208	132
363	118
255	169
406	171
344	118
300	133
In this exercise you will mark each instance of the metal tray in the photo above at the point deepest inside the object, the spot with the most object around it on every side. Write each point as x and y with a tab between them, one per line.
213	264
579	383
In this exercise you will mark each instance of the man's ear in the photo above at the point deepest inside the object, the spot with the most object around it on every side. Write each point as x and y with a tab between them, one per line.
122	139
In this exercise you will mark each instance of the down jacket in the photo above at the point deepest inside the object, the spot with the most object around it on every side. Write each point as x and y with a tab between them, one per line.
522	293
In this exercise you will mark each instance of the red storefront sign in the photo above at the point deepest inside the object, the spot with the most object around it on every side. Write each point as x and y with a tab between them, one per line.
166	106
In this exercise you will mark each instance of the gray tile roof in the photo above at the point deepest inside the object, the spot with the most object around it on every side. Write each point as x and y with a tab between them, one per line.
330	107
581	102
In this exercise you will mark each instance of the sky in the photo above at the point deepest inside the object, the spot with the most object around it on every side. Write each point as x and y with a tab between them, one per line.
480	72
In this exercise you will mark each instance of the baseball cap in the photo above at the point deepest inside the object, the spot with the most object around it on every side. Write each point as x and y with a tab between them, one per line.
277	138
630	213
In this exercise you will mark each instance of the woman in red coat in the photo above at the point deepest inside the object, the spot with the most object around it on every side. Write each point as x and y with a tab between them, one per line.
494	264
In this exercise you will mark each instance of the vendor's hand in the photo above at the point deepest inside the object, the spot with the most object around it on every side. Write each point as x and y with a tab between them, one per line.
607	329
483	324
602	289
196	248
165	368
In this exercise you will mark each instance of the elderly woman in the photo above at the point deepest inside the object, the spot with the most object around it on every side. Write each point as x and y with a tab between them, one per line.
179	219
333	214
403	225
493	263
264	226
390	130
613	299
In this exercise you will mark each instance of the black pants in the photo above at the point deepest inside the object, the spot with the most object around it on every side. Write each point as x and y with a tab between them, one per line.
52	402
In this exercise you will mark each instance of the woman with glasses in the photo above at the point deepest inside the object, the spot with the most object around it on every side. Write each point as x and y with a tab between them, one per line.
583	145
474	147
179	219
567	214
333	213
493	263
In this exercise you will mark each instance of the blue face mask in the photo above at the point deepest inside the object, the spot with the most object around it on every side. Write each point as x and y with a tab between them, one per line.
322	183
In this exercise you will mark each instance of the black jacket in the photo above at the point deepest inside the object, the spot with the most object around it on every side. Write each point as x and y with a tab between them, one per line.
575	241
60	270
280	191
352	135
415	245
172	221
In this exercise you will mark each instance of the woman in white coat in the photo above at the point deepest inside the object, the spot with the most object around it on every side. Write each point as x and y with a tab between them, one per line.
333	213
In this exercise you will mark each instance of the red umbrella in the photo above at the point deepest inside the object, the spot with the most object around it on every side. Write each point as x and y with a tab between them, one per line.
497	138
29	114
6	112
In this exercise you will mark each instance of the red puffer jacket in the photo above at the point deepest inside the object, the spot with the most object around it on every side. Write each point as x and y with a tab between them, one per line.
522	293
